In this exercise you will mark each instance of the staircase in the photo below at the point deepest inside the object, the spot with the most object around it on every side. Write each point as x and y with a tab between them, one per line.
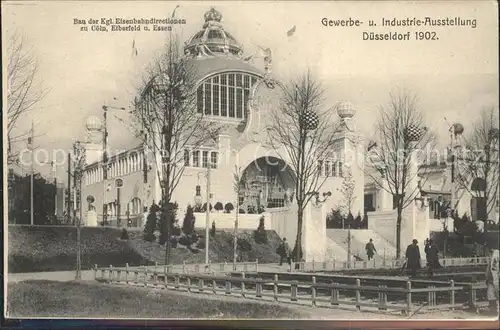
359	238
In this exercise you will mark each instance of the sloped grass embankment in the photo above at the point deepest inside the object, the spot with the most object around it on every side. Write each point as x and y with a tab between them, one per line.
52	248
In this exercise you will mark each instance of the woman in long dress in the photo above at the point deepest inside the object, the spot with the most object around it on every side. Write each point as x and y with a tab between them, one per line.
492	279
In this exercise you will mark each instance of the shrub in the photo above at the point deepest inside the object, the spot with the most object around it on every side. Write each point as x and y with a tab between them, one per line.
365	221
124	234
189	220
251	209
261	209
241	211
334	219
201	244
198	208
349	220
218	206
204	208
173	242
176	231
229	207
212	230
167	221
260	235
185	240
151	223
358	222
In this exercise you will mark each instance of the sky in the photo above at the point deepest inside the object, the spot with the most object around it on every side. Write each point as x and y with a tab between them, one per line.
453	77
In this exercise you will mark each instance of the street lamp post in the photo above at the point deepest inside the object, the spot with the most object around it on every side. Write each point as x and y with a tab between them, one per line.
79	164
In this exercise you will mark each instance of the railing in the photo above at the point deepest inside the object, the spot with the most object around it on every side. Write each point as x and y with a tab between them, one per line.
404	299
314	266
210	268
381	264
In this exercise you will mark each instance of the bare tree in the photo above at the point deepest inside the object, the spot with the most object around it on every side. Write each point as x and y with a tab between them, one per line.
169	122
402	137
479	161
347	190
305	130
23	89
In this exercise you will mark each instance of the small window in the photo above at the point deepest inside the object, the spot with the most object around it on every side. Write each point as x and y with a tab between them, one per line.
186	157
196	158
204	159
341	170
327	168
213	159
334	169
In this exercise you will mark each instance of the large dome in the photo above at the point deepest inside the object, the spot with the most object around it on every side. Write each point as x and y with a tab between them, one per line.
212	39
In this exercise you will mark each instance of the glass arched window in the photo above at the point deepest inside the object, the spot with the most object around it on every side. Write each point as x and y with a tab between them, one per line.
225	95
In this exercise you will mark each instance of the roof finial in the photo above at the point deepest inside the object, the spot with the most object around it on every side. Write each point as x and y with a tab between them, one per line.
213	15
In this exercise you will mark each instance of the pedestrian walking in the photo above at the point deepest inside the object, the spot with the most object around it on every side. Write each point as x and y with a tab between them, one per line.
370	249
492	280
413	258
284	252
432	257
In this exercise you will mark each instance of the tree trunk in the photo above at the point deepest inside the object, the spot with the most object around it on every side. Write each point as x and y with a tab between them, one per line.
298	243
398	231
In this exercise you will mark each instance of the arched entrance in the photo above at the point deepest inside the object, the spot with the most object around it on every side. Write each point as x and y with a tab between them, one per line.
478	200
266	183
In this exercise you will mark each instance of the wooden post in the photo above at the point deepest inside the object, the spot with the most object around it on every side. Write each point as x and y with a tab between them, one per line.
177	281
275	287
157	281
258	288
313	268
165	279
126	273
228	287
214	286
136	281
224	266
183	267
358	295
382	298
188	283
111	273
408	298
293	290
95	272
313	290
335	295
243	284
452	294
102	274
118	275
472	297
200	284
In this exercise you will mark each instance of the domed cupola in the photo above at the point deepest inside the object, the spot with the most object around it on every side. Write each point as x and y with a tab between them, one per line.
212	39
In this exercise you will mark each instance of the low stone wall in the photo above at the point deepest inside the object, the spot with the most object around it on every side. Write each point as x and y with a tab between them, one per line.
226	220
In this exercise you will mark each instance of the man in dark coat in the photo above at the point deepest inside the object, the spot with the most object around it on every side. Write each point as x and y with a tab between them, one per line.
370	249
432	256
284	252
413	258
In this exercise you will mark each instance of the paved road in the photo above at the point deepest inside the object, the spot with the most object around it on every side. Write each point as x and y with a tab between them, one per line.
66	276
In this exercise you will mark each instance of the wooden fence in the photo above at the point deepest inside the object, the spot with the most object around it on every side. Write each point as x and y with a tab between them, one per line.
317	294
